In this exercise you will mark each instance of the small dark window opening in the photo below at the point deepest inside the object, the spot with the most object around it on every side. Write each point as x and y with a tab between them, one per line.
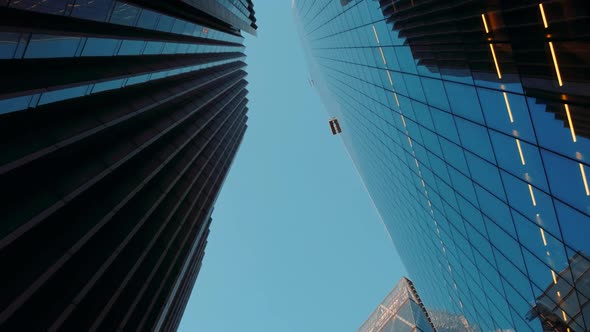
335	126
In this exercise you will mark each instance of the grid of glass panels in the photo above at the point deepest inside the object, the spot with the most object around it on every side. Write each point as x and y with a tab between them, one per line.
483	190
401	310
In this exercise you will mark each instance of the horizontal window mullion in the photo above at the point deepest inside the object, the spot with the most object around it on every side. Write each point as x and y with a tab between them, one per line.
27	77
41	46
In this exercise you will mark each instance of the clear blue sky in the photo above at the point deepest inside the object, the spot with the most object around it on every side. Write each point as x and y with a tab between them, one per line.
296	244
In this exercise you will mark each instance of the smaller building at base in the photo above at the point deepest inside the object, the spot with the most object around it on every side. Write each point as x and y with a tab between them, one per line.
401	310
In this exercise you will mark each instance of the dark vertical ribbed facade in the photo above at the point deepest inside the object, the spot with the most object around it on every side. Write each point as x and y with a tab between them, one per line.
119	121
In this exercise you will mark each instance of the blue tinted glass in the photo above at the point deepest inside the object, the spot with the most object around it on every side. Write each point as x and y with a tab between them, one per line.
165	23
445	125
414	87
153	47
520	159
109	85
148	19
464	101
96	10
531	202
58	95
460	150
51	46
485	174
131	47
507	113
575	227
125	14
463	185
435	93
138	79
14	104
454	156
100	47
566	179
55	7
475	138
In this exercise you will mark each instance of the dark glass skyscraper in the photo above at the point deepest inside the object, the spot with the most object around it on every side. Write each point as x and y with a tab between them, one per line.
468	122
119	121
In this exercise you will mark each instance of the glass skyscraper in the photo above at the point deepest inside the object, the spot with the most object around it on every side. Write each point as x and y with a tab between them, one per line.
119	121
468	122
400	311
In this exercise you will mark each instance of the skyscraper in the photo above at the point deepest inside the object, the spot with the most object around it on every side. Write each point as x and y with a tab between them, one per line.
400	310
467	121
119	121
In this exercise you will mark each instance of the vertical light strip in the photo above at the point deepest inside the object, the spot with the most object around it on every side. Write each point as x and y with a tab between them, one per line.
376	36
532	195
410	141
382	55
485	24
543	15
584	179
554	277
403	120
569	121
396	100
508	107
496	61
564	316
555	64
543	236
389	76
520	151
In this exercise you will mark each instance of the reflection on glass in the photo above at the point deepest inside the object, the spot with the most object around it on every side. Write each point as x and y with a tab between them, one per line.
560	295
401	310
469	124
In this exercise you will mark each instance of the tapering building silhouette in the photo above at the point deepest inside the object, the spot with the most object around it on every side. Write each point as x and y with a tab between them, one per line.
469	123
119	121
401	310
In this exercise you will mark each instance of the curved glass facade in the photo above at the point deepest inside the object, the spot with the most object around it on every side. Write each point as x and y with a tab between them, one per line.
467	122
